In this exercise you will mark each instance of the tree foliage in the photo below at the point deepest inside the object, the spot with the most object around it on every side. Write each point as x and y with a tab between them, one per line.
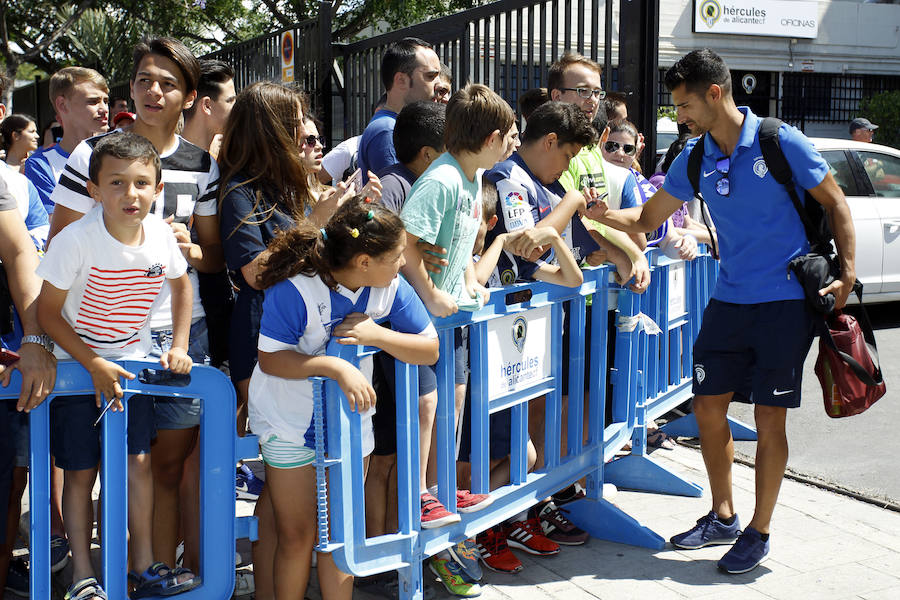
100	33
883	109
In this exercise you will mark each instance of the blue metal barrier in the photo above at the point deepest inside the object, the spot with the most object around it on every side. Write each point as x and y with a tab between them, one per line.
341	509
220	449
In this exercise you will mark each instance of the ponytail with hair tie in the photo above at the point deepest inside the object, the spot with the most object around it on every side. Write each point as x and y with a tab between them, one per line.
357	227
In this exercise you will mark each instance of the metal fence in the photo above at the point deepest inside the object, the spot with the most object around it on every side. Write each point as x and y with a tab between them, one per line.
506	45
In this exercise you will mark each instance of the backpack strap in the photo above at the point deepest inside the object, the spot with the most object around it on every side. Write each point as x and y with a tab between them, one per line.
778	166
695	159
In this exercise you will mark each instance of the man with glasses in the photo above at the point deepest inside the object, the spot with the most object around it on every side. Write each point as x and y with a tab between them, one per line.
409	70
576	79
757	329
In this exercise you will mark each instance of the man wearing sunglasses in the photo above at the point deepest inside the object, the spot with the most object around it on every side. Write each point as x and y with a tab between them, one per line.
757	328
576	79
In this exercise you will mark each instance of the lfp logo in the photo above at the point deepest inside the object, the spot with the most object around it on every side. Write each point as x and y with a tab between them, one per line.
710	11
519	332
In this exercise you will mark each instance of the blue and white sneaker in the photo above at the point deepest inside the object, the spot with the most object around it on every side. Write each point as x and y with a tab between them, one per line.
59	553
709	531
247	485
746	554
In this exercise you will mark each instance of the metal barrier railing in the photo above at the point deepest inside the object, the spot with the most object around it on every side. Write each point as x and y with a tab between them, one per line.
220	449
341	507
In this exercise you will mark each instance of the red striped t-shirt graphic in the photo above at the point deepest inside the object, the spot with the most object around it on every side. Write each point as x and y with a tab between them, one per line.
116	304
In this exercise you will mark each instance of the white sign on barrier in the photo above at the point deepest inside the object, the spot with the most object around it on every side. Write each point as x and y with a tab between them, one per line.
518	351
677	289
795	18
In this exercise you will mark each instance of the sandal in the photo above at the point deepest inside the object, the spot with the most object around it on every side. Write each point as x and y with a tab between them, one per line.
86	589
161	580
659	439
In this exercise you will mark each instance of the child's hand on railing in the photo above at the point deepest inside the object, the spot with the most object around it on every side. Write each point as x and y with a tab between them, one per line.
360	393
176	360
358	329
105	376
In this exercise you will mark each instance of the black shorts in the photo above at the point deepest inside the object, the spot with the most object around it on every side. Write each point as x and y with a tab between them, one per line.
244	333
75	442
756	351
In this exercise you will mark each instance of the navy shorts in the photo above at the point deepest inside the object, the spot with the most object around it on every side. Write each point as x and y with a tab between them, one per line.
384	422
74	440
499	432
756	351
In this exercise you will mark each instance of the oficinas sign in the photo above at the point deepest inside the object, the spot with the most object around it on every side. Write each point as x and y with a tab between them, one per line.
765	17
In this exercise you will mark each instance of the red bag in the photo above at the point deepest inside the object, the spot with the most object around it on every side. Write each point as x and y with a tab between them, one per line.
848	366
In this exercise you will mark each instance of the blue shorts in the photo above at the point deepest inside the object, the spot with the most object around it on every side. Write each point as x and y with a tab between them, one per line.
756	351
384	422
180	413
74	440
499	432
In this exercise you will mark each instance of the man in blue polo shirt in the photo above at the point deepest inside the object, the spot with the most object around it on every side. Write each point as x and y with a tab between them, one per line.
409	70
757	328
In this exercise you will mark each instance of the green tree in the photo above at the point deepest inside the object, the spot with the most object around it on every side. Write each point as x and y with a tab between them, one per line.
883	109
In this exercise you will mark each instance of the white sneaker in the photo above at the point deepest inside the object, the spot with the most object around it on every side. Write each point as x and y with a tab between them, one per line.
609	491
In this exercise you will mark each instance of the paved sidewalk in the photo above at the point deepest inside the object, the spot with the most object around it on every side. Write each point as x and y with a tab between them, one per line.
824	546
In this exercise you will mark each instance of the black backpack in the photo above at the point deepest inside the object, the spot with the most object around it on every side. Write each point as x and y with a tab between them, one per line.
815	221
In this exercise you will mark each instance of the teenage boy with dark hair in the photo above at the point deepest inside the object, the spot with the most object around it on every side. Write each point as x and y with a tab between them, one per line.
418	140
576	79
409	70
116	244
757	329
204	120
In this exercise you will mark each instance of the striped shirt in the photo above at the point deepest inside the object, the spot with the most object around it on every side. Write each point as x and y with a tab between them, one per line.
191	179
111	287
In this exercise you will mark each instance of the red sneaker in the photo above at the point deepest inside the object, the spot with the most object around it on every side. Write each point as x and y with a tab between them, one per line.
467	502
434	514
495	553
527	535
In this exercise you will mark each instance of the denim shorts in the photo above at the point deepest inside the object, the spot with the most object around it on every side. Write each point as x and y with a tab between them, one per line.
180	413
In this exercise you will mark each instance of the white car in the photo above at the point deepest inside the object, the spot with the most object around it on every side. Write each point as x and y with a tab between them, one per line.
869	175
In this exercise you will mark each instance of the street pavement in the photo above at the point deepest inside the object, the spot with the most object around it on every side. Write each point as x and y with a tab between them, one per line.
824	546
857	453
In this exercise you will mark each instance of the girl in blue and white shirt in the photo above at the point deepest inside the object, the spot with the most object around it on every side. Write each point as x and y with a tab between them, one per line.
320	283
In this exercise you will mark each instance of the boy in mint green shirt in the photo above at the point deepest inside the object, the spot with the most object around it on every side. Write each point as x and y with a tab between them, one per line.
444	205
444	209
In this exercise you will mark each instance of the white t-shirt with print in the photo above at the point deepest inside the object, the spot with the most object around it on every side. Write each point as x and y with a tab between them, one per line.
191	178
111	287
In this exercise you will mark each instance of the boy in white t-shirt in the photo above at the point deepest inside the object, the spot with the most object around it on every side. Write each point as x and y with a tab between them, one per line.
101	276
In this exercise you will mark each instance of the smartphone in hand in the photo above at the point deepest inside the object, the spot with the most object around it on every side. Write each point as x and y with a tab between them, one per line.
7	357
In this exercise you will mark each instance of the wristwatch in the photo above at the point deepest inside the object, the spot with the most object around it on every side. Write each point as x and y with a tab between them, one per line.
42	340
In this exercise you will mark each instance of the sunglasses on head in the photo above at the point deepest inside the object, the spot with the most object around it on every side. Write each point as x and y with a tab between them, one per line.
628	149
311	140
